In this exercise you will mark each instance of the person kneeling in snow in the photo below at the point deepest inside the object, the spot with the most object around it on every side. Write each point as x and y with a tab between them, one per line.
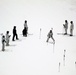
50	35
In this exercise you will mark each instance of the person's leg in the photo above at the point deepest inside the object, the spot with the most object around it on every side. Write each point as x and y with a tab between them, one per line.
3	47
16	37
7	43
47	39
53	39
26	32
71	32
65	30
13	37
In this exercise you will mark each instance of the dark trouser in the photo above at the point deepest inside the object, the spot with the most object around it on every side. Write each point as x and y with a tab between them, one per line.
14	37
24	32
71	32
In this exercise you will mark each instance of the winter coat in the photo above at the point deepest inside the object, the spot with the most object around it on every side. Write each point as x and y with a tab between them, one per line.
25	25
50	34
14	31
66	25
71	26
3	39
7	37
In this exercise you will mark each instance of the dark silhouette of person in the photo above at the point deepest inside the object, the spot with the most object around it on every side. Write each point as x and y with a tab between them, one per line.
24	32
14	34
25	25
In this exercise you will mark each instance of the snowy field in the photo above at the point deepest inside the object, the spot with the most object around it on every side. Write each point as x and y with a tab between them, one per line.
32	55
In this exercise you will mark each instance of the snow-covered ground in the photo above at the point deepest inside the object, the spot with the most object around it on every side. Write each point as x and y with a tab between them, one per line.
31	55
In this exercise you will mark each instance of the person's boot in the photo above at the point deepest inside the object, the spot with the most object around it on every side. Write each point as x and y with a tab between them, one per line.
13	40
71	35
17	39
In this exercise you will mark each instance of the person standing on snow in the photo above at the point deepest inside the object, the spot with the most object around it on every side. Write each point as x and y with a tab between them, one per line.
7	38
71	28
65	27
3	43
50	35
25	26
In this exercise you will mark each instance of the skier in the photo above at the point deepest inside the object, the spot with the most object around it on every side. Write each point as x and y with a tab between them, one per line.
50	35
3	43
25	26
24	32
14	34
65	27
7	38
71	28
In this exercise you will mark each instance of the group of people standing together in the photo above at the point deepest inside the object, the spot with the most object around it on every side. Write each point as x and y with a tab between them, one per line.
6	38
66	27
24	31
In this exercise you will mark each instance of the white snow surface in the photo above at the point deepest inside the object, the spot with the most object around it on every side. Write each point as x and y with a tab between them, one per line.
31	55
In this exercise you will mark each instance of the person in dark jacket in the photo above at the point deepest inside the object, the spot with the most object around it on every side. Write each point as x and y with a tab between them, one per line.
24	32
14	34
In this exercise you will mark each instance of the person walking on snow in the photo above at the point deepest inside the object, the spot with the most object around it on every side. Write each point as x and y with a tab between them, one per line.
7	38
71	28
14	34
65	27
50	35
